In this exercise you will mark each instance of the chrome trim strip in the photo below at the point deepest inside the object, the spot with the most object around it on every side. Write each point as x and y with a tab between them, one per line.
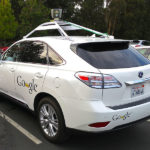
137	81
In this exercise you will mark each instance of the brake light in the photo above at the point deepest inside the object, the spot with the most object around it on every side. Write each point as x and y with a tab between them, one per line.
84	78
137	46
99	81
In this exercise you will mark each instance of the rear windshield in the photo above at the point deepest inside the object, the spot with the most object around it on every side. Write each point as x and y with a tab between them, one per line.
111	55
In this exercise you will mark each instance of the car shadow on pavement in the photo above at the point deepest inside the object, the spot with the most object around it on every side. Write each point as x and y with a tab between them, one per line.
130	138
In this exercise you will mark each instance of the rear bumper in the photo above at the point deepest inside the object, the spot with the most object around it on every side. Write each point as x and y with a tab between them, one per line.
131	123
83	113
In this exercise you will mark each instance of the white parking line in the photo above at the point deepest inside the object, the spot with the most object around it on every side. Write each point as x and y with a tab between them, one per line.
20	128
148	120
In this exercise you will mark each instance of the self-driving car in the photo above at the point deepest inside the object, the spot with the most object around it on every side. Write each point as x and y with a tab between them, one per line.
91	83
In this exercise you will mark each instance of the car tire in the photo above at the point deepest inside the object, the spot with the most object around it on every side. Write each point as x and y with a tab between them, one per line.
51	120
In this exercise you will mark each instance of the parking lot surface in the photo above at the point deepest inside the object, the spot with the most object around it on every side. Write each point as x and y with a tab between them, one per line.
19	131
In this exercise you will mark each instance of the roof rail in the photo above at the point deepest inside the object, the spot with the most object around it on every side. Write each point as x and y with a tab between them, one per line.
63	26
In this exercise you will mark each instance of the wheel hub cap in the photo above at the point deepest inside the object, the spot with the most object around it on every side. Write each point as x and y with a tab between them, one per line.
48	120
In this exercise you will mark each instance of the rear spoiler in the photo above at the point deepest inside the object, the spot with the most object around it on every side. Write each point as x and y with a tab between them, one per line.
105	44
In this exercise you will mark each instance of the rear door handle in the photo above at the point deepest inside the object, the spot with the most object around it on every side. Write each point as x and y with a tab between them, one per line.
137	81
12	69
39	75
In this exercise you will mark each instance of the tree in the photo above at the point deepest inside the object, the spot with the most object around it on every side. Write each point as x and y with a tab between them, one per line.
146	22
32	14
113	13
91	14
17	5
8	24
134	23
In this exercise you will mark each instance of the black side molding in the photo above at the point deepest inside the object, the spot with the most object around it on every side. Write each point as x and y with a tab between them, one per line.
14	100
146	100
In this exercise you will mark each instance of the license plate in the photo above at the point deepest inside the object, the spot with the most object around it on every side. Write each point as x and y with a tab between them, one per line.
137	90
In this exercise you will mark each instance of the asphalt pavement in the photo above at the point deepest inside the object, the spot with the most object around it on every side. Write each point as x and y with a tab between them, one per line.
132	138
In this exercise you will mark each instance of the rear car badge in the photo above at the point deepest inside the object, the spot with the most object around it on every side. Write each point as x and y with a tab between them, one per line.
140	75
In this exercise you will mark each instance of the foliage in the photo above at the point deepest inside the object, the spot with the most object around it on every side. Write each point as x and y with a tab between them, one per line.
8	24
17	5
91	14
32	14
113	13
134	21
126	19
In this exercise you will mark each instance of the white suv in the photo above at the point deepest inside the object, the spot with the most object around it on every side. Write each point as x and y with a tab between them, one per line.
84	83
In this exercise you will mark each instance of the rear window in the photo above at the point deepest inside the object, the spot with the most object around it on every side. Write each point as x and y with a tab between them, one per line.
146	43
110	55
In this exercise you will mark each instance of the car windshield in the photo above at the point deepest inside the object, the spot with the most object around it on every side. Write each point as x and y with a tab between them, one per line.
108	55
42	33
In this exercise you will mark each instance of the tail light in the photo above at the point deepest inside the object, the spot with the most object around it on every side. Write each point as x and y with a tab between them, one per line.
137	46
98	81
110	82
99	124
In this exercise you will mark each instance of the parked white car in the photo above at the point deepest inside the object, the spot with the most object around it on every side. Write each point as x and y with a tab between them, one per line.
85	83
140	43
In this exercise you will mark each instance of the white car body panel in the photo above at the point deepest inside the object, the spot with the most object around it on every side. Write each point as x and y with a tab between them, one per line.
143	47
33	78
7	75
95	111
112	97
